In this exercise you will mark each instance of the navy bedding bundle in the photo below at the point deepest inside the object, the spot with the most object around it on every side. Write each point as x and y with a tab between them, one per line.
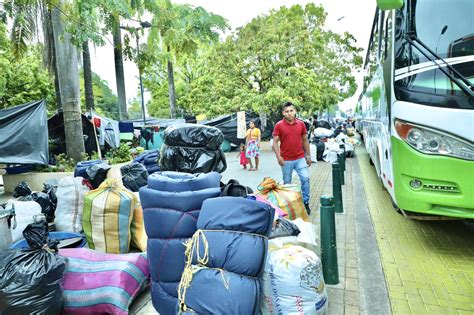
171	204
226	256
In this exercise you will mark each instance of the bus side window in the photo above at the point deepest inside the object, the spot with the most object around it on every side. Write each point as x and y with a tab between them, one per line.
387	35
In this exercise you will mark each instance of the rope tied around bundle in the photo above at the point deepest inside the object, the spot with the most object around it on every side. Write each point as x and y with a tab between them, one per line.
193	249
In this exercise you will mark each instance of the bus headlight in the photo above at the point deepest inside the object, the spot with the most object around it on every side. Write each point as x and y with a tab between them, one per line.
431	141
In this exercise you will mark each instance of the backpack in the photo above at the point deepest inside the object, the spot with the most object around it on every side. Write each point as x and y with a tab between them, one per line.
234	189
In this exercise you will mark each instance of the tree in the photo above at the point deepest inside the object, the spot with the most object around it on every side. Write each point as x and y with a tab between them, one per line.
68	77
22	80
285	55
177	31
106	102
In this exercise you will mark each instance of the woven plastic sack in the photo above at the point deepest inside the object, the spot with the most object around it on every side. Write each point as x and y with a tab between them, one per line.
137	229
293	282
107	217
70	195
288	197
98	283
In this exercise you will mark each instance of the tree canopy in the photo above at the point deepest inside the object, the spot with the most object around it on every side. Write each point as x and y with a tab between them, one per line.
288	54
22	80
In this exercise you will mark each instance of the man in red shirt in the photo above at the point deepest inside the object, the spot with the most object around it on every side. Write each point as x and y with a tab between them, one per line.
293	152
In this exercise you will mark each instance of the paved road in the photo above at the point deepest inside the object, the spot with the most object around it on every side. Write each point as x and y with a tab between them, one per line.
428	265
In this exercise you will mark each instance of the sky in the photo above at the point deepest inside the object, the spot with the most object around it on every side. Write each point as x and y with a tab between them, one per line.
343	15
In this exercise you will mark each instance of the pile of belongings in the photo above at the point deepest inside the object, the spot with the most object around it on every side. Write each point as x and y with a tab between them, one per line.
192	149
150	160
226	256
171	205
287	197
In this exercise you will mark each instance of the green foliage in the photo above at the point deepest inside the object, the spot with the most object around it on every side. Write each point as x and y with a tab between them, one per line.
287	55
63	164
22	80
106	102
135	108
121	154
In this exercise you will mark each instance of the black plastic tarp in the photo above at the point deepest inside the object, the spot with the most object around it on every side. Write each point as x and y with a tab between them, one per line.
58	137
228	125
152	121
24	134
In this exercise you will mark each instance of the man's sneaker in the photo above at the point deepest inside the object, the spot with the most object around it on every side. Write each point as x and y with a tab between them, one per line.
308	210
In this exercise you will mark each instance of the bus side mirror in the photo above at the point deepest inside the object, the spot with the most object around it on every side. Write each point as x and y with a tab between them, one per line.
389	4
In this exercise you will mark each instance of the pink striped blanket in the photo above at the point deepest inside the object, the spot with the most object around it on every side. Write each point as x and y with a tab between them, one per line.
98	283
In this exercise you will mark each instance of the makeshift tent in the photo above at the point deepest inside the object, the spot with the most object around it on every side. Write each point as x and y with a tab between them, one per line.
24	134
58	138
228	125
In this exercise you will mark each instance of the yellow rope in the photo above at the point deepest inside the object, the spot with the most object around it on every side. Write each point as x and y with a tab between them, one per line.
193	247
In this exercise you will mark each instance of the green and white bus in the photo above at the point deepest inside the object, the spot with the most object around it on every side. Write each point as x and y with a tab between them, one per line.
417	107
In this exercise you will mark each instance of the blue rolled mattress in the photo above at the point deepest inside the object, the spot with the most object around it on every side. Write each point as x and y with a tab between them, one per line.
227	264
170	219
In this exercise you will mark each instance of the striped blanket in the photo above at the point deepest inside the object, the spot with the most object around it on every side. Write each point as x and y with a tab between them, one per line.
98	283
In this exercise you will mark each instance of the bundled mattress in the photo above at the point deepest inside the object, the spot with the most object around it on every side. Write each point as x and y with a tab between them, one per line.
171	204
226	257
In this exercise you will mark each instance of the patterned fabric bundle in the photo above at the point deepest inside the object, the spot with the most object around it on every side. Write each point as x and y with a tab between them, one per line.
98	283
107	217
226	256
288	197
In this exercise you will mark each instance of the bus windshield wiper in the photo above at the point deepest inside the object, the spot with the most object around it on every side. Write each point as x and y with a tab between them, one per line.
466	86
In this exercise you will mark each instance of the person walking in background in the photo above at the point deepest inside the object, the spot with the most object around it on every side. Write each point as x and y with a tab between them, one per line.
291	147
243	158
252	143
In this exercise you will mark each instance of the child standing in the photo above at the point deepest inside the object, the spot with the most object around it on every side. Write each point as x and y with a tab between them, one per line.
243	158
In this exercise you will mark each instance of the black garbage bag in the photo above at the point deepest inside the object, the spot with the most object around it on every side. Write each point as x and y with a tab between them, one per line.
193	135
50	187
22	190
47	206
134	176
284	228
97	173
30	279
192	160
25	198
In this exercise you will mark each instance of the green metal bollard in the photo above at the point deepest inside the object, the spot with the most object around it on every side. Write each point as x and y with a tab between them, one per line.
336	188
340	162
328	241
343	162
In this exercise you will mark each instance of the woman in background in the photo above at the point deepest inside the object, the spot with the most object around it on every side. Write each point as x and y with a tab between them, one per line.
252	143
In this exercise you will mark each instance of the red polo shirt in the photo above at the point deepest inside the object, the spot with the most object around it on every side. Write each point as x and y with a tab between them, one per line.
291	139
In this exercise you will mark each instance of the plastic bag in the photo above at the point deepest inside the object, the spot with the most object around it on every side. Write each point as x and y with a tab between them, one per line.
192	160
47	206
97	173
22	190
30	279
284	228
50	187
193	135
134	176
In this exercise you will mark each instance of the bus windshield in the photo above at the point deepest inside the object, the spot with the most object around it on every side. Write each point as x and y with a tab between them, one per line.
447	28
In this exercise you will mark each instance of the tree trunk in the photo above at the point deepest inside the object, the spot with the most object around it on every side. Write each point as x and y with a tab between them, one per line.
68	77
171	89
119	76
88	91
50	53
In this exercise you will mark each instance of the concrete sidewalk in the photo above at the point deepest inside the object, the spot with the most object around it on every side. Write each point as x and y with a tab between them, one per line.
361	288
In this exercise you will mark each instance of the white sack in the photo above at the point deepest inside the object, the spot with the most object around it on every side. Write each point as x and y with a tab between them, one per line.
70	194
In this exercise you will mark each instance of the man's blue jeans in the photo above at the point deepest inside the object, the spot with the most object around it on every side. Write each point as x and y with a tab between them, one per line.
301	169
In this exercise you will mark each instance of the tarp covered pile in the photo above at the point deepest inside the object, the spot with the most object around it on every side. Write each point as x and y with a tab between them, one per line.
172	202
24	134
192	148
